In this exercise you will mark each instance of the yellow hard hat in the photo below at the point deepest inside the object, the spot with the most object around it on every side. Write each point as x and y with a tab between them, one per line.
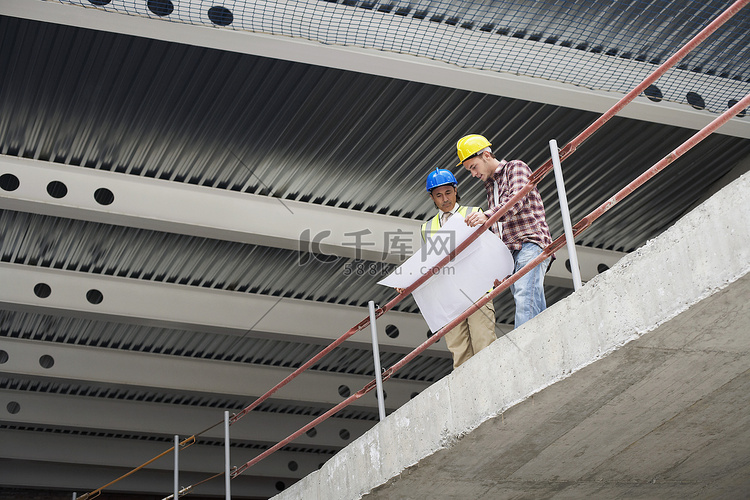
470	145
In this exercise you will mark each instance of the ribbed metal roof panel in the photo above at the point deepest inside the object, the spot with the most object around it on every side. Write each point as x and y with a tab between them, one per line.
95	248
246	349
288	154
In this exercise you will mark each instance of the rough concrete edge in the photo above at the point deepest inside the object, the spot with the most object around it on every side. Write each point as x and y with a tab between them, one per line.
530	359
633	318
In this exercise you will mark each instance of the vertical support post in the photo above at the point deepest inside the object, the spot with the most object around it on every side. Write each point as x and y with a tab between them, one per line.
75	495
227	477
376	359
176	467
567	225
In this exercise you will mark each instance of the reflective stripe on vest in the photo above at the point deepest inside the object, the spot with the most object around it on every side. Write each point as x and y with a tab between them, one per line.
432	225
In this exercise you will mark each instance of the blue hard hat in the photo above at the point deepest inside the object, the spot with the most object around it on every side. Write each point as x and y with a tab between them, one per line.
440	177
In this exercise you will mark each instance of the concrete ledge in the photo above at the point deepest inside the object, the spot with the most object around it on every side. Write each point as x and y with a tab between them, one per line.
604	394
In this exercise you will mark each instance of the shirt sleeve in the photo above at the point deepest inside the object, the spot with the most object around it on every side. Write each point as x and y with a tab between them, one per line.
518	176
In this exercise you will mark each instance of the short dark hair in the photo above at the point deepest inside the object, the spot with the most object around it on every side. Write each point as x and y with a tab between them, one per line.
480	152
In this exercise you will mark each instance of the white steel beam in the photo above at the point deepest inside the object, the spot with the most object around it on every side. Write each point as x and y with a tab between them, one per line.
84	478
122	452
592	261
206	212
132	301
180	208
137	417
189	375
407	67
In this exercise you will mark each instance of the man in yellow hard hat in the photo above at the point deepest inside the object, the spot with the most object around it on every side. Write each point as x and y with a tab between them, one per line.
478	330
523	228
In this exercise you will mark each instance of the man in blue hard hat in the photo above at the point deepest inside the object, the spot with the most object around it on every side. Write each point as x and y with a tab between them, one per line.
478	330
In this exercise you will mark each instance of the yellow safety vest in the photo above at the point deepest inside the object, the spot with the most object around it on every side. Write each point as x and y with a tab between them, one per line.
433	225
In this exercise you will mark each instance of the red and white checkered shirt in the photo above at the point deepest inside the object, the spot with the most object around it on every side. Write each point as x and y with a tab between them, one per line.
525	221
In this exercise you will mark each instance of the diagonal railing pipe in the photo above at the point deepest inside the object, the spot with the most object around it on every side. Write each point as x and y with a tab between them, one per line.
535	178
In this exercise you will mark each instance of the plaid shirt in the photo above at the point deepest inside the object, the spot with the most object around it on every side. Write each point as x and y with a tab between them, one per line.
525	221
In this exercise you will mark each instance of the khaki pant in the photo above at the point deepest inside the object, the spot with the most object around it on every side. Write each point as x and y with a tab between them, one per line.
472	335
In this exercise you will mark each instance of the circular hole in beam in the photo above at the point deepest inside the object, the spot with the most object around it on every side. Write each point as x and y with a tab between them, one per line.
160	7
42	290
601	268
344	434
104	196
220	16
46	361
292	466
94	296
653	93
57	189
13	407
391	331
9	182
311	432
344	391
4	357
695	100
280	486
